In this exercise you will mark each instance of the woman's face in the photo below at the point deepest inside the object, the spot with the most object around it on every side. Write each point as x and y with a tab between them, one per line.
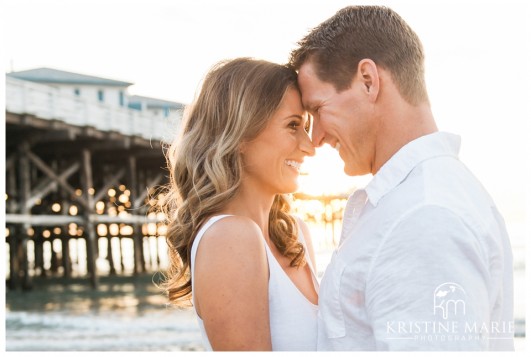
273	159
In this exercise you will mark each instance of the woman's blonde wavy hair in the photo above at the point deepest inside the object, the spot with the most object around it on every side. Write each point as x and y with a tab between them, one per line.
236	101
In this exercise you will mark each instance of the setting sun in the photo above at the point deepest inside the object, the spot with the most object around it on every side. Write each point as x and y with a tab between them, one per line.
322	175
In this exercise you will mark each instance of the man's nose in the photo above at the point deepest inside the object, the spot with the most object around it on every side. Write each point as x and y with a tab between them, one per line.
307	146
317	133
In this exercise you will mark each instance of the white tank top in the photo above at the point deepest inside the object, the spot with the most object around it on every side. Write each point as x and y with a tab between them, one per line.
292	317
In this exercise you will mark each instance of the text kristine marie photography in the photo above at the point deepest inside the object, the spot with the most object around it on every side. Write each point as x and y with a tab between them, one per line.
451	320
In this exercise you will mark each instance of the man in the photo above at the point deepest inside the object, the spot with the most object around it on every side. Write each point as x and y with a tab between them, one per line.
424	261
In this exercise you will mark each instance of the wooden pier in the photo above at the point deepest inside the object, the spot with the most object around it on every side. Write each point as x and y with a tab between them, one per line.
78	171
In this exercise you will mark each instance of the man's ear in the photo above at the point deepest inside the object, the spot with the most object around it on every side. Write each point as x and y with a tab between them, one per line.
368	74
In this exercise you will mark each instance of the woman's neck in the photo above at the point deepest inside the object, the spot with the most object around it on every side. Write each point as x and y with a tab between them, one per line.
254	205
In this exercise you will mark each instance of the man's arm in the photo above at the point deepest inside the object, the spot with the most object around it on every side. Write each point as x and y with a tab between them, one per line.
428	286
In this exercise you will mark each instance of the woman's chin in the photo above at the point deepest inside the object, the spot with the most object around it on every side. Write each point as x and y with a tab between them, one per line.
291	188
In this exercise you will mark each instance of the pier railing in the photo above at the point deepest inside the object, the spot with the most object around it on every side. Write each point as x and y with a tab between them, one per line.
47	102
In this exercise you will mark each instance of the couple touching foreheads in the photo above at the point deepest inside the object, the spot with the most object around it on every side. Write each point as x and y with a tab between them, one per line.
424	261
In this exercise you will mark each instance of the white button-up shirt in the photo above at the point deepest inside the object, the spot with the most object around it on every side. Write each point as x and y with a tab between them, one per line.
424	261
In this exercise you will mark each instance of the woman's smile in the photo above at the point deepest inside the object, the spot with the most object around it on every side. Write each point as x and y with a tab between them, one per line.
294	164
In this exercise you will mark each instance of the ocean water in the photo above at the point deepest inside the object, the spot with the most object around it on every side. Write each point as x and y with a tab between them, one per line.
123	314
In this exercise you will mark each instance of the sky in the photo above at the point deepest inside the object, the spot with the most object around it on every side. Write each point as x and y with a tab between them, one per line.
477	62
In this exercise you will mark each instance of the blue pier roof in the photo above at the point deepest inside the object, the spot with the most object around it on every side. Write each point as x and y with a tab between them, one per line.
153	103
50	75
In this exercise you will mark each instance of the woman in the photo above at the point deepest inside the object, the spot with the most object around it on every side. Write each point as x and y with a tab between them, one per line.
235	250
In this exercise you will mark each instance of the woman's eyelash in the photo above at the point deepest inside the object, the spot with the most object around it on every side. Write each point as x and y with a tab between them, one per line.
294	125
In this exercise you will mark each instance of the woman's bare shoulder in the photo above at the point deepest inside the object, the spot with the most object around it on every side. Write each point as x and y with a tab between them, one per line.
232	235
231	286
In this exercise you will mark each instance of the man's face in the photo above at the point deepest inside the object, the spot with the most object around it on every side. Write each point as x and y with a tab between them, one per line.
343	120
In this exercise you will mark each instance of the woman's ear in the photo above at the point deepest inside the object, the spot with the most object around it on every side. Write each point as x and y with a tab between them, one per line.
369	76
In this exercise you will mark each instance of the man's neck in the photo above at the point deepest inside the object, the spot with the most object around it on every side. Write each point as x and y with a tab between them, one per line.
400	126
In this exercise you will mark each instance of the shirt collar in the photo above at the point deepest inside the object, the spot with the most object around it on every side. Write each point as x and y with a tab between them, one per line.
398	167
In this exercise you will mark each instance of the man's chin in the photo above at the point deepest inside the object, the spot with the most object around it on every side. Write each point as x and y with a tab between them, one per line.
350	170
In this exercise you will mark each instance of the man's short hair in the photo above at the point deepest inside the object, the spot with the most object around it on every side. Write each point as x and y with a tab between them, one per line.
337	45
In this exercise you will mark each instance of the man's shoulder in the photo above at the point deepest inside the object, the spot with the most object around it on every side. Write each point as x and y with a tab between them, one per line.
441	190
447	182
